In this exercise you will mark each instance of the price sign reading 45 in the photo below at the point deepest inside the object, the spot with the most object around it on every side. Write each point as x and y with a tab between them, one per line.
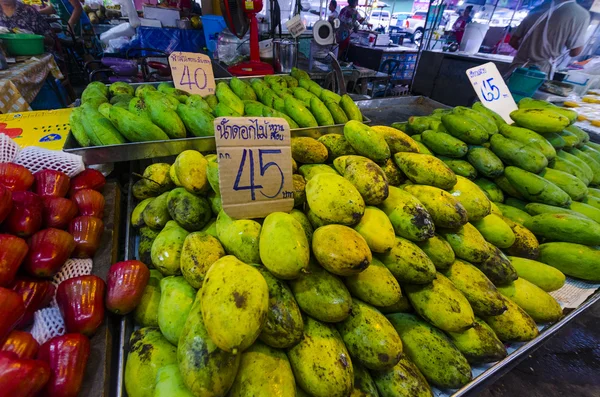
192	73
255	165
492	90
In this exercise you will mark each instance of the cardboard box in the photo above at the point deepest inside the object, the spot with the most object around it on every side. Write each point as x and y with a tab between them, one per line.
47	129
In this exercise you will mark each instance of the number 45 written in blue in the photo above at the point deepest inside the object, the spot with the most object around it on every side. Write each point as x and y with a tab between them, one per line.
248	154
490	92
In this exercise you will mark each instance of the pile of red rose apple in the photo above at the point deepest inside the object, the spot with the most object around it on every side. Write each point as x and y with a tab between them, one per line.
45	219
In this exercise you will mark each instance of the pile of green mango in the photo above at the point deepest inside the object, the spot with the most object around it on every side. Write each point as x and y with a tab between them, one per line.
119	113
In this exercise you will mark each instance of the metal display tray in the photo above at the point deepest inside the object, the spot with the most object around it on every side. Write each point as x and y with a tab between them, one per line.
386	111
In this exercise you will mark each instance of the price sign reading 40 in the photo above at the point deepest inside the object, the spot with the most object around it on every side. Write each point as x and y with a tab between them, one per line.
255	165
492	90
192	73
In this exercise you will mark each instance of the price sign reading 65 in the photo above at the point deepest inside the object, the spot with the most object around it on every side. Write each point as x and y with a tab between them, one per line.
192	73
492	90
255	165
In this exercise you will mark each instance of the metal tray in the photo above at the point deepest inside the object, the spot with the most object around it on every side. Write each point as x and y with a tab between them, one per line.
386	111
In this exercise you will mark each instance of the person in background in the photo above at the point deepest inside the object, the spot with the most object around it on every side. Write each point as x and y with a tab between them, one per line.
16	15
70	17
348	17
461	23
333	14
554	29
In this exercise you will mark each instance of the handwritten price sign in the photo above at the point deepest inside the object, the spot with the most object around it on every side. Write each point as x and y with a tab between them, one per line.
255	165
492	90
192	72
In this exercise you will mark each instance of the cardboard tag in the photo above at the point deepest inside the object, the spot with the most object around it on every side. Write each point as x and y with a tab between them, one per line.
255	165
492	90
295	26
192	73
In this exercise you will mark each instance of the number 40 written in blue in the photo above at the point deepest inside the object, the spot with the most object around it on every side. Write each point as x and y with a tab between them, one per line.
248	156
490	92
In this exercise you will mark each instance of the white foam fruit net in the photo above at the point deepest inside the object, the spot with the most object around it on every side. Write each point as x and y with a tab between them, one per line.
8	149
36	159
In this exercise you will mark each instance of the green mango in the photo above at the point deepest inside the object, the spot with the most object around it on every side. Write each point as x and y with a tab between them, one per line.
477	288
514	325
291	81
586	210
445	210
304	222
516	153
164	116
491	190
537	208
514	202
308	150
333	377
580	163
228	98
465	129
418	124
363	383
337	145
404	379
564	165
242	89
392	173
368	178
497	268
439	251
529	138
583	136
176	299
136	215
535	301
240	237
397	140
190	211
575	260
216	204
284	325
120	88
338	114
441	304
283	246
195	101
222	110
402	306
169	383
540	120
148	352
495	230
166	249
234	324
505	185
370	338
589	160
591	200
571	140
498	120
429	349
377	230
535	188
77	130
488	124
479	344
425	169
467	243
299	74
330	96
263	371
472	198
526	244
138	107
366	142
298	112
334	199
514	214
197	121
565	228
98	86
408	263
200	250
460	167
134	128
299	193
140	89
156	180
555	140
206	369
321	112
350	108
253	108
98	128
147	237
168	89
341	250
375	285
444	144
485	161
310	170
145	313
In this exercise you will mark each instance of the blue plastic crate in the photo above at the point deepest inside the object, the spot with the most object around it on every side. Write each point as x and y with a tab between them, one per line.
212	25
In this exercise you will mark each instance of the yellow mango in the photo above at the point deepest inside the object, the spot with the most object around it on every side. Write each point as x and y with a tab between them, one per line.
341	250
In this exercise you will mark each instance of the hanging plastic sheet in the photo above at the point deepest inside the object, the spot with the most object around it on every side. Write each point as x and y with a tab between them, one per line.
169	39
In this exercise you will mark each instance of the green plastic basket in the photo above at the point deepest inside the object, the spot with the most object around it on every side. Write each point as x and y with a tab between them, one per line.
23	44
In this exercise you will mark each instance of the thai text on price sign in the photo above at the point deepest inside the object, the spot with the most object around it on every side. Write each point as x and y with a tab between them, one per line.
255	165
192	72
492	90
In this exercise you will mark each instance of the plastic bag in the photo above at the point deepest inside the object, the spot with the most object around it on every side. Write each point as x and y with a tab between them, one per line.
128	10
122	30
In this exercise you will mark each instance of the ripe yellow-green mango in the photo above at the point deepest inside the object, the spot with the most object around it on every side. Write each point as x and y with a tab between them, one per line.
494	209
337	145
310	170
392	173
445	210
404	379
137	220
176	299
366	141
460	167
491	190
263	371
334	199
441	304
227	97
235	302
320	111
284	325
298	112
540	120
199	252
148	352
156	212
479	344
575	260
535	301
478	106
465	129
555	140
429	349
535	188
341	250
562	164
304	222
322	295
514	325
363	383
169	383
477	288
190	168
190	211
518	154
497	268
495	230
482	119
314	220
467	243
205	368
368	178
397	140
370	338
526	244
439	251
308	150
408	215
375	285
485	161
425	169
546	277
299	193
338	114
402	306
514	214
571	140
216	203
584	137
146	312
283	246
147	237
377	230
530	138
537	208
472	198
566	228
408	263
514	202
444	144
350	108
334	376
166	249
240	237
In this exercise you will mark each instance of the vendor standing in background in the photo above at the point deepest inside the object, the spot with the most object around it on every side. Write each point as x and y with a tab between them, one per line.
461	23
16	15
70	17
552	30
333	14
348	17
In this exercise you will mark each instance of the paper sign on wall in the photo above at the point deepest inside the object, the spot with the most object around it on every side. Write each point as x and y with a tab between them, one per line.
255	165
192	73
492	90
